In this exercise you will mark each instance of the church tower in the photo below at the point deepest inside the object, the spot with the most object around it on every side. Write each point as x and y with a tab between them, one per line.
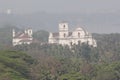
63	30
13	33
29	32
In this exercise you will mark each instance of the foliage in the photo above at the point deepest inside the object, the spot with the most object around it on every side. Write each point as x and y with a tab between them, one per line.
41	35
14	65
57	62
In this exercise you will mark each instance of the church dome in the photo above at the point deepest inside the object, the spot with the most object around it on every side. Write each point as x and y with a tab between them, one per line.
79	29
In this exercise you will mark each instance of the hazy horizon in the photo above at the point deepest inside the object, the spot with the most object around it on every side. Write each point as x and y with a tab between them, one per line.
100	16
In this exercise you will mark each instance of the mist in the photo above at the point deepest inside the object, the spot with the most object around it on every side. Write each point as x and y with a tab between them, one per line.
96	16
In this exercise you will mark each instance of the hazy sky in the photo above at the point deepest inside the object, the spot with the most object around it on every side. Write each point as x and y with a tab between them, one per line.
60	6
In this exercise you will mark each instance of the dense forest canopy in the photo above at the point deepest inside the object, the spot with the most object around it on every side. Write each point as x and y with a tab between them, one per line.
14	65
57	62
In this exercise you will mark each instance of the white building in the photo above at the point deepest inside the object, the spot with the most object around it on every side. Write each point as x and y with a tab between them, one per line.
65	37
24	37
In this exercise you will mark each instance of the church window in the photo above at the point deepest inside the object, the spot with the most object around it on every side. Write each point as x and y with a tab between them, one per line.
30	31
78	34
64	34
64	26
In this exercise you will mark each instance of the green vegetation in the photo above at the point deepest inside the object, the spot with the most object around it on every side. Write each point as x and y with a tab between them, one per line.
14	65
6	36
41	35
57	62
80	62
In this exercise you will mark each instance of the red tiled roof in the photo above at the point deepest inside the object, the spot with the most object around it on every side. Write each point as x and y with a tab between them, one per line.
24	36
18	34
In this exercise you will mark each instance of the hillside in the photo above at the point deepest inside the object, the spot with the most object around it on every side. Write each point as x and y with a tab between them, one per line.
80	62
56	62
14	65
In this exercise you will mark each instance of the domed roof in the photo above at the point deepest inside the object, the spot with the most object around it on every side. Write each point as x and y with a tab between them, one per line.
79	29
82	29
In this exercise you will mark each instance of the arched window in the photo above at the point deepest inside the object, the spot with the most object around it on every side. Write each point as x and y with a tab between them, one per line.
63	26
64	35
78	34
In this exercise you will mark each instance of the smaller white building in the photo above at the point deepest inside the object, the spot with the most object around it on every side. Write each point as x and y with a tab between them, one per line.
24	37
66	37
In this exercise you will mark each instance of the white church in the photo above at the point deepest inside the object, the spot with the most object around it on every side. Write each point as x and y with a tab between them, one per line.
22	37
66	37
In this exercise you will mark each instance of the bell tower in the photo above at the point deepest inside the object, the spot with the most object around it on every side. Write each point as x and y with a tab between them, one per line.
29	32
63	30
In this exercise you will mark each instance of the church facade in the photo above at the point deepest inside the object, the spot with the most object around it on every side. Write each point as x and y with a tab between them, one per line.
22	37
66	37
